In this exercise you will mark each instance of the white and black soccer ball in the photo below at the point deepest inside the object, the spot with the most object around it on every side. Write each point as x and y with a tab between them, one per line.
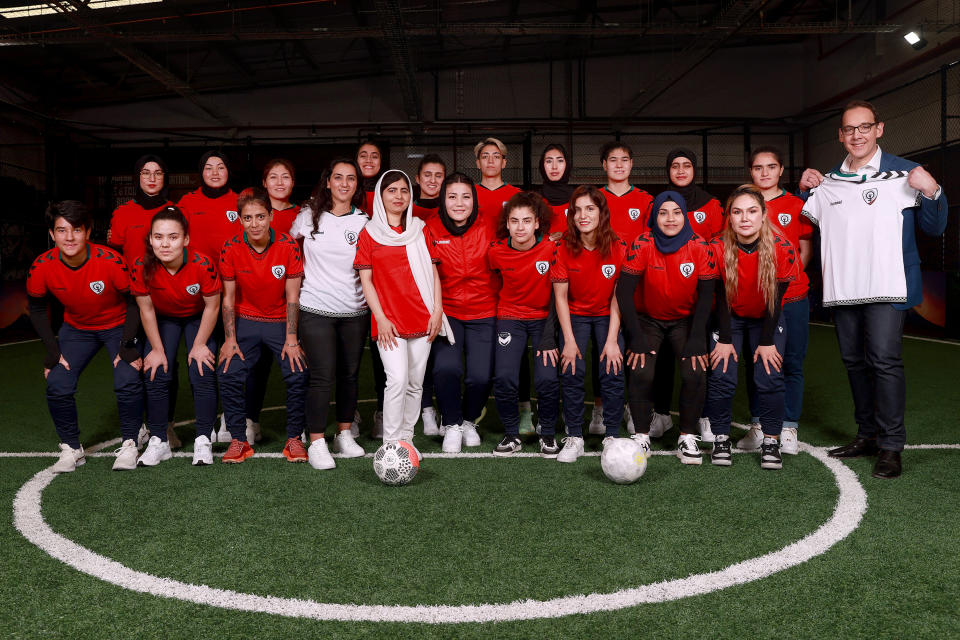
623	460
396	463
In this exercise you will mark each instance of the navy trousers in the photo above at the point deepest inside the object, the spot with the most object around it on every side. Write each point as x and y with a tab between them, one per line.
474	340
573	383
796	322
511	348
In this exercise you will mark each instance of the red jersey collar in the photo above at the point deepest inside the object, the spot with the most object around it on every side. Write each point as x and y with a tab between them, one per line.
79	266
267	248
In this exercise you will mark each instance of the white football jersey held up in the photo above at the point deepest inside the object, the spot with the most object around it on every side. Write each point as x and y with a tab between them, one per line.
861	228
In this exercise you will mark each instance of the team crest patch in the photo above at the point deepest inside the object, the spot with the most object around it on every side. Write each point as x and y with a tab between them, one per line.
97	287
784	219
504	338
869	196
278	270
686	269
350	237
634	213
232	216
608	270
193	289
542	266
699	216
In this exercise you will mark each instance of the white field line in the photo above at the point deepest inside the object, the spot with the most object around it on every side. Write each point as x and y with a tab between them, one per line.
850	506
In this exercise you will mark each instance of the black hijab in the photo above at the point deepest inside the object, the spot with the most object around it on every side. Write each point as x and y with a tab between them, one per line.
139	196
694	196
669	244
556	192
208	191
445	218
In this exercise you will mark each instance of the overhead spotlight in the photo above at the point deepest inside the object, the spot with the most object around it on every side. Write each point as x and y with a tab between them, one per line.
915	39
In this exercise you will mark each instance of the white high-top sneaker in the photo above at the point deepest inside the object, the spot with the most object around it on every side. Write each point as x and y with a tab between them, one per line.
429	417
346	446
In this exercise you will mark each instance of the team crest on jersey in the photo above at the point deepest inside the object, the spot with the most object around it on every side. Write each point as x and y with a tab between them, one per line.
634	213
97	287
699	216
193	289
504	338
350	237
232	216
608	270
784	219
869	196
278	270
686	269
542	266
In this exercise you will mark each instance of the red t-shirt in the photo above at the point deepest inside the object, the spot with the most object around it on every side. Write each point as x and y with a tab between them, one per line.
592	277
628	213
525	278
558	223
469	286
261	277
181	294
213	221
425	213
92	294
707	221
396	289
283	219
668	290
749	302
784	211
490	203
129	228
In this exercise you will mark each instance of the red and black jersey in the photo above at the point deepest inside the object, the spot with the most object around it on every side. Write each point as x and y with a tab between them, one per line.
668	289
592	277
283	219
628	213
177	295
213	221
129	228
784	211
707	221
469	286
396	288
425	213
261	277
490	203
749	301
92	294
525	278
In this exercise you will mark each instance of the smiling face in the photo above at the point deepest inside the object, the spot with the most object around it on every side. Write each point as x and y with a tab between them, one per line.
342	183
681	171
215	174
554	165
430	178
396	197
70	240
151	179
491	162
458	202
670	218
368	157
586	215
746	218
278	183
168	240
618	164
765	171
522	225
861	146
256	220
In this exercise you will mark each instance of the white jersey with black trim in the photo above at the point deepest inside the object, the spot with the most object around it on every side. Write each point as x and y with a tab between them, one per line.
861	230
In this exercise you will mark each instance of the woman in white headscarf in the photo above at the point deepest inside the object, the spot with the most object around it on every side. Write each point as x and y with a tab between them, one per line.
402	288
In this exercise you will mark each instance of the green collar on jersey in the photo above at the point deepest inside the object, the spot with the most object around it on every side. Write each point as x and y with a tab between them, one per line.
269	242
620	196
68	266
537	235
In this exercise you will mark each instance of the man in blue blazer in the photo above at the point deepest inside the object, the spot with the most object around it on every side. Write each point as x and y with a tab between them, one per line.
870	334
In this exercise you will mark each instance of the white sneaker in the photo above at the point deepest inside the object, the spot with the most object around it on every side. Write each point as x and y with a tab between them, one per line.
751	441
253	431
126	456
596	423
706	434
319	456
172	438
572	449
345	445
157	451
788	441
429	417
224	434
453	439
69	460
688	450
143	436
470	436
377	425
642	439
202	451
355	425
631	429
659	424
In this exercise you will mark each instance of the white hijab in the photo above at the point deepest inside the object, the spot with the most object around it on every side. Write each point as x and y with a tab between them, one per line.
412	238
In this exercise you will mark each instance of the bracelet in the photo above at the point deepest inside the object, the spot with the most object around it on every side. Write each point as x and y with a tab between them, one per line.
296	344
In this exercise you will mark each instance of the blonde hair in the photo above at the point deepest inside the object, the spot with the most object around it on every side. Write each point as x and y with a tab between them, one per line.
487	142
767	263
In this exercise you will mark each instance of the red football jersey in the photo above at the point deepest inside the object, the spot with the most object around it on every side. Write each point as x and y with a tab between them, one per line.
469	286
283	219
425	213
181	294
92	294
212	221
629	213
668	290
749	302
525	278
129	228
558	223
261	277
592	277
707	221
397	290
784	211
490	203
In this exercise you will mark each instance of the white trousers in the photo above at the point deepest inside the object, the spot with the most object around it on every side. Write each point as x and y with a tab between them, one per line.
404	366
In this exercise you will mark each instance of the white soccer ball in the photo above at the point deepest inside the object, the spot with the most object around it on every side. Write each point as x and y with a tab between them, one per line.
623	460
396	463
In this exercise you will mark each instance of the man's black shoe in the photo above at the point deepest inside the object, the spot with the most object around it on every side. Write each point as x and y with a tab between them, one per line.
887	465
859	447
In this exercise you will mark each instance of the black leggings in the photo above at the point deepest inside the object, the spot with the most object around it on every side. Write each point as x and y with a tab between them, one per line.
333	347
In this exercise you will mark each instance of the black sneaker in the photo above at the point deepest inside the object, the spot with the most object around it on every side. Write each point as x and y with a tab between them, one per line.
770	454
508	446
549	447
721	452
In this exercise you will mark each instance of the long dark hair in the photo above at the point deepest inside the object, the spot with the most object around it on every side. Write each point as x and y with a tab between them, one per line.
535	203
150	261
322	199
448	223
605	235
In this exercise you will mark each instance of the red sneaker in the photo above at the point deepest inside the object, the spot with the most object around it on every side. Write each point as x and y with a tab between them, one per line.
237	452
295	451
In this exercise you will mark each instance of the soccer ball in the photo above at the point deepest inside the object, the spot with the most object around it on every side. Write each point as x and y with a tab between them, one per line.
623	460
396	463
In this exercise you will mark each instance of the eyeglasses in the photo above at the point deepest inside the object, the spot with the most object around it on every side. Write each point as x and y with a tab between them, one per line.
151	174
862	128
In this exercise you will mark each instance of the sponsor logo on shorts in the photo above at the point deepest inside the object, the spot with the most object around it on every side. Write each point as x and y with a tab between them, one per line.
97	287
869	196
784	219
608	270
232	216
686	269
193	289
634	213
699	216
278	271
542	266
504	338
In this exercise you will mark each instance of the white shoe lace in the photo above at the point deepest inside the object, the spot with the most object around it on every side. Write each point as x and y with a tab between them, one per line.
688	443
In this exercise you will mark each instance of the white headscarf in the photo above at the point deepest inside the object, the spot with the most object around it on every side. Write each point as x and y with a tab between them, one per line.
412	238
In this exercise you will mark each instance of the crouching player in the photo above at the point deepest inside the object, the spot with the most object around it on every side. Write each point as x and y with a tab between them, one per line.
178	291
93	285
261	272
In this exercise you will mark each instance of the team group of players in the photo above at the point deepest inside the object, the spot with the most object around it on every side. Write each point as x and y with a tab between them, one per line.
451	280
